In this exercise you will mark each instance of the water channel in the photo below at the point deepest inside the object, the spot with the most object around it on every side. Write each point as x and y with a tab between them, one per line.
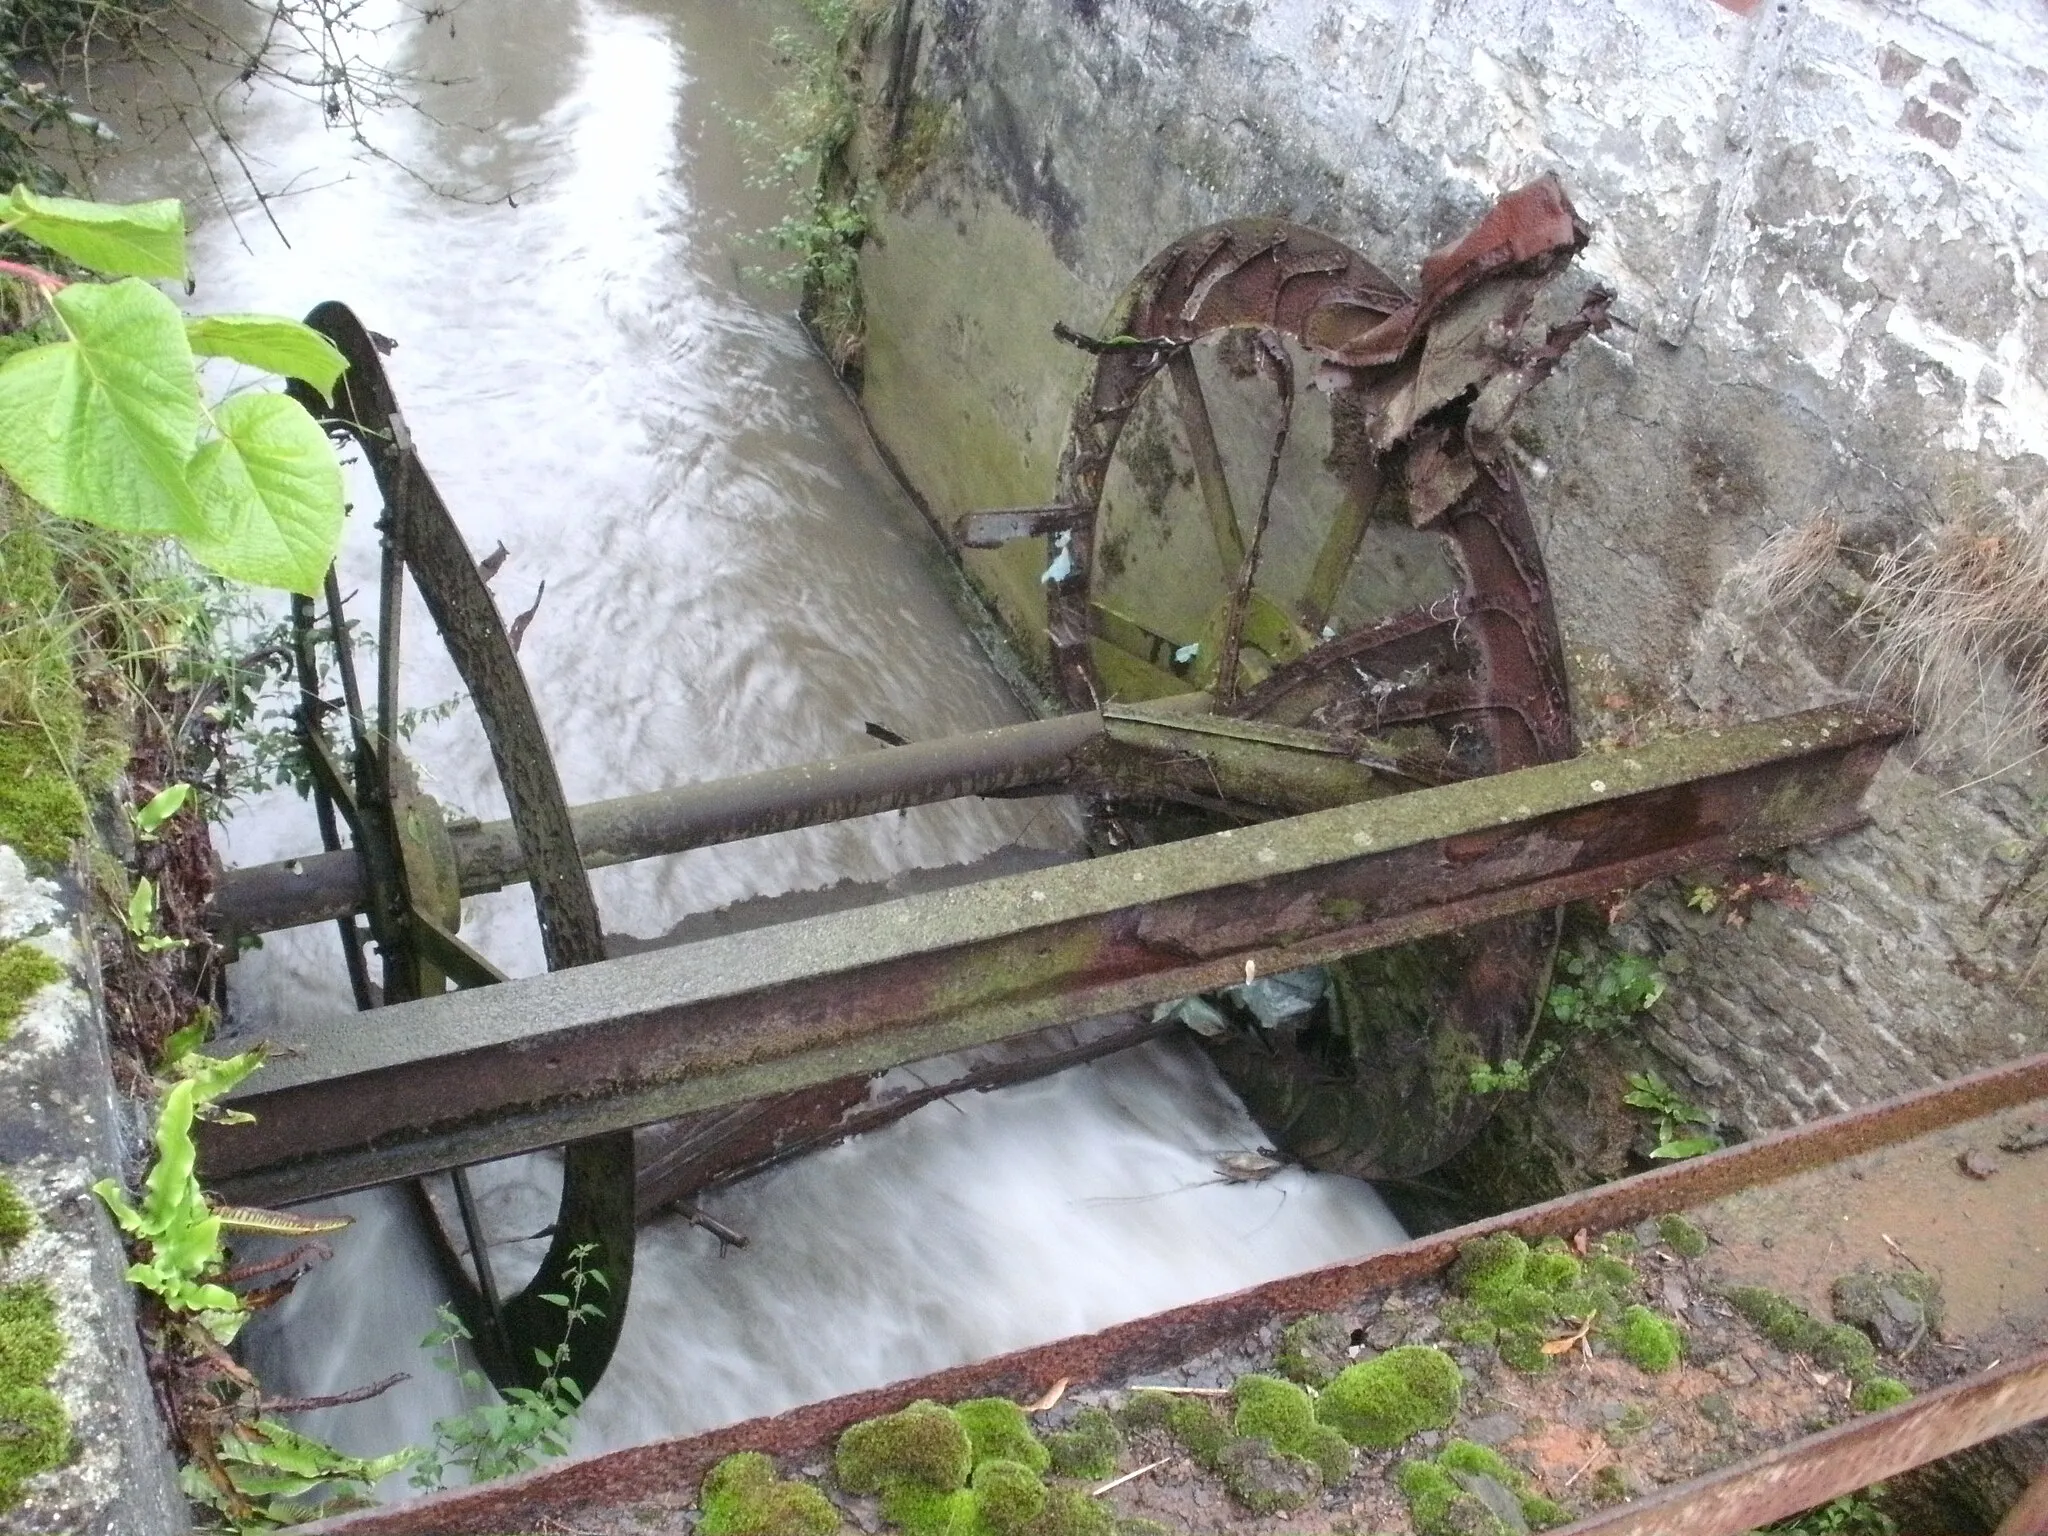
731	583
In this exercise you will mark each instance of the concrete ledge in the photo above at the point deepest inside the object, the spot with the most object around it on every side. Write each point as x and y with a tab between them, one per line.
62	1125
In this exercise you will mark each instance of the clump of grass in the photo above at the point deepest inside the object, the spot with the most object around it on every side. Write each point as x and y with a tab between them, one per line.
1789	564
1959	618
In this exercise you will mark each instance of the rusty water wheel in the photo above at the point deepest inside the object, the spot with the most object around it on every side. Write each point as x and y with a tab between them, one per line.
368	788
1468	680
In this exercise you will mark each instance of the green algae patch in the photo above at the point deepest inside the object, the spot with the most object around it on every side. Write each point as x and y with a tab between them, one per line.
1879	1393
1381	1403
24	971
923	1444
1650	1342
742	1496
1681	1236
1469	1490
34	1434
998	1430
1088	1447
1284	1415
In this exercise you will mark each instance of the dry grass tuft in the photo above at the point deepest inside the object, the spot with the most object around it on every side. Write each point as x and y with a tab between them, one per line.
1960	619
1789	564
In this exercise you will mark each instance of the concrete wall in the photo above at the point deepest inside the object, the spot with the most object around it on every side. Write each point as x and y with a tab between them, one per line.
1827	225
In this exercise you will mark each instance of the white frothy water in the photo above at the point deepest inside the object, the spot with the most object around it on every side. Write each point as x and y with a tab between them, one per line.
730	586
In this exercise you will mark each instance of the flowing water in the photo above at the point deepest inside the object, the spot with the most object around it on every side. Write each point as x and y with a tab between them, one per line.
731	584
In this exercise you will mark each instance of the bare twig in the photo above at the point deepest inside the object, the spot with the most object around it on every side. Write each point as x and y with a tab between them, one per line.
1118	1482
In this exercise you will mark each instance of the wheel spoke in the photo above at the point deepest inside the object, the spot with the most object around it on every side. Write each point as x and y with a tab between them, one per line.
1275	353
1201	431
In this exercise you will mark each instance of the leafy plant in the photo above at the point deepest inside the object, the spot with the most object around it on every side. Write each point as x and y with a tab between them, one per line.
140	919
107	424
150	816
1602	991
527	1424
1853	1514
272	1468
1678	1121
1513	1076
178	1227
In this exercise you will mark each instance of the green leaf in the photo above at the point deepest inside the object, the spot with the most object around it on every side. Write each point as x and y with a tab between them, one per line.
120	239
142	907
1689	1146
162	806
101	427
270	488
272	343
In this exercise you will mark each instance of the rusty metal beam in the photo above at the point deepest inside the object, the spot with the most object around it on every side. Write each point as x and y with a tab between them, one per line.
322	887
566	1491
464	1078
1825	1466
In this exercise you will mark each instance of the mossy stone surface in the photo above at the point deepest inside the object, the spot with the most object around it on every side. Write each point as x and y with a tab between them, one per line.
923	1444
24	971
1895	1307
30	1343
1313	1349
1088	1447
1681	1236
1783	1321
1265	1479
16	1220
998	1430
742	1496
1472	1490
36	1437
1381	1403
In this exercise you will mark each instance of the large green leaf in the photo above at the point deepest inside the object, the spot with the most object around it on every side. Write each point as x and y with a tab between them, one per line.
272	343
101	427
121	239
270	488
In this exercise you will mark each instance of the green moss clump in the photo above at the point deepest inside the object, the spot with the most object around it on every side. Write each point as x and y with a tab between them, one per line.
30	1345
1681	1236
1138	1525
1845	1349
1313	1349
1442	1500
1605	1269
16	1220
1146	1408
923	1511
1877	1393
923	1444
1522	1349
1651	1342
1526	1306
1784	1322
1489	1268
1464	1323
35	1439
1552	1269
41	810
1282	1413
24	971
1070	1512
1088	1447
1381	1403
1198	1427
742	1496
999	1431
1008	1495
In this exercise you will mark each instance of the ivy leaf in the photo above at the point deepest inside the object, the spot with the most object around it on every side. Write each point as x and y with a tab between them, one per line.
270	489
272	343
121	239
101	427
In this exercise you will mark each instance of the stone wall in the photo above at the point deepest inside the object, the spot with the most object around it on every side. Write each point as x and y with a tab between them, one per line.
1826	222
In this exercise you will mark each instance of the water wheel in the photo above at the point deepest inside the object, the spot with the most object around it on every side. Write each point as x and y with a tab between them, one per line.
363	784
1286	496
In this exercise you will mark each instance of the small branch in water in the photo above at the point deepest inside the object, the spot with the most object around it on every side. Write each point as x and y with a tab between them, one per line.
332	1399
716	1228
